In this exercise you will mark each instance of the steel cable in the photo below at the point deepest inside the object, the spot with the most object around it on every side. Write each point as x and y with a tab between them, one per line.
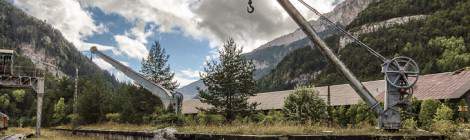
338	28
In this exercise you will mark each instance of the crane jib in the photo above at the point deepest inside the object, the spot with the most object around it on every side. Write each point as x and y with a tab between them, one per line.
311	34
154	88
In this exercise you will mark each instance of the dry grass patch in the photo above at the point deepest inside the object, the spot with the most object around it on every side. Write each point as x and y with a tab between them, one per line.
290	129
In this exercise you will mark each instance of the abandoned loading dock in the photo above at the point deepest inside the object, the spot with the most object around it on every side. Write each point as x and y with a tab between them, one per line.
439	86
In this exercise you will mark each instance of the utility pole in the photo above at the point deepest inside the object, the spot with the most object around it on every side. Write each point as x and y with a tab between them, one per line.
330	118
329	96
75	99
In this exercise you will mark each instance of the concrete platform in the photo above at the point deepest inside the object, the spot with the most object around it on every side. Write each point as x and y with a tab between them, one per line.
125	135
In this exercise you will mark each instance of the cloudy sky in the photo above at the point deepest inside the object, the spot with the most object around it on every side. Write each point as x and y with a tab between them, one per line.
189	30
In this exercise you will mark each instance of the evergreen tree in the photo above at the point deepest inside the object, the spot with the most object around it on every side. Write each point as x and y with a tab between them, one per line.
155	67
229	82
456	54
59	111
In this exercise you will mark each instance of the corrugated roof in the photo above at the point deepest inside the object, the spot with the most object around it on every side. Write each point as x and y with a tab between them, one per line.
433	86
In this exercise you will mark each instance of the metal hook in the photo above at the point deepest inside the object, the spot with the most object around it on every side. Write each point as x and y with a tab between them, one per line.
250	8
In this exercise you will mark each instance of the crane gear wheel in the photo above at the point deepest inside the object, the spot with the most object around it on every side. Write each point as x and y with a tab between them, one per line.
401	72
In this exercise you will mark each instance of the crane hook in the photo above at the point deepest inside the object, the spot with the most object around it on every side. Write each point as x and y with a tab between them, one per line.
250	8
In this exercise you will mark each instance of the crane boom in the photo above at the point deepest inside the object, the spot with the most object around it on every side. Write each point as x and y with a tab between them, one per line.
157	90
326	51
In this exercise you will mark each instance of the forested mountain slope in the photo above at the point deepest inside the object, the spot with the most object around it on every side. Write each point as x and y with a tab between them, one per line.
438	42
40	42
100	94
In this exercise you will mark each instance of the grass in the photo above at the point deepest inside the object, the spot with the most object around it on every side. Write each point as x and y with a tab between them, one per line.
240	128
289	129
251	129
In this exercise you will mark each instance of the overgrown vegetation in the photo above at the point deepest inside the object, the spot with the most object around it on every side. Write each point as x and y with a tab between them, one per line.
305	105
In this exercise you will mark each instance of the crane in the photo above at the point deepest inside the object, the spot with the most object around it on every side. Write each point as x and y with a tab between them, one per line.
400	73
169	98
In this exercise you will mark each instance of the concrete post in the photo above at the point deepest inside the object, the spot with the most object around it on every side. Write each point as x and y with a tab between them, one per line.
40	95
75	101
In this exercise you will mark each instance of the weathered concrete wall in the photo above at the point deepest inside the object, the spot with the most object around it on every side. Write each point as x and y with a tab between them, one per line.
111	135
303	137
129	135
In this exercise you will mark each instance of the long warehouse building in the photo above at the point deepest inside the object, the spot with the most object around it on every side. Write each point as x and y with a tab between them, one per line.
448	85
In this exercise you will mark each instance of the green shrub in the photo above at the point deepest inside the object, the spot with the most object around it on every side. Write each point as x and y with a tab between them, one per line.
363	114
463	116
201	118
242	119
443	113
257	117
446	127
189	120
206	119
23	121
304	105
339	115
215	119
410	124
113	117
75	119
169	118
426	114
59	115
273	117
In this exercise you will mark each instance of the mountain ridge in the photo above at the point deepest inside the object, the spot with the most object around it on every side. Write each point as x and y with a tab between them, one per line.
268	55
44	45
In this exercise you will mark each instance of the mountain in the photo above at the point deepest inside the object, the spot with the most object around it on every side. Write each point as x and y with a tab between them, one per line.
268	55
434	34
41	45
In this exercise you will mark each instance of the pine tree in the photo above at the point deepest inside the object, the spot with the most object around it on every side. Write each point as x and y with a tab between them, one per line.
229	82
156	69
59	111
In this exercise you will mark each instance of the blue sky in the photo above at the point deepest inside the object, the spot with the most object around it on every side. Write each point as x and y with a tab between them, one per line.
191	31
187	54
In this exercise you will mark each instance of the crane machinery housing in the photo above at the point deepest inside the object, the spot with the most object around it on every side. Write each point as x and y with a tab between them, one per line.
401	73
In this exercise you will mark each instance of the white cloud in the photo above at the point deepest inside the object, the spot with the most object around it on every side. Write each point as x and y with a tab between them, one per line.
64	15
131	47
187	76
191	73
215	20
